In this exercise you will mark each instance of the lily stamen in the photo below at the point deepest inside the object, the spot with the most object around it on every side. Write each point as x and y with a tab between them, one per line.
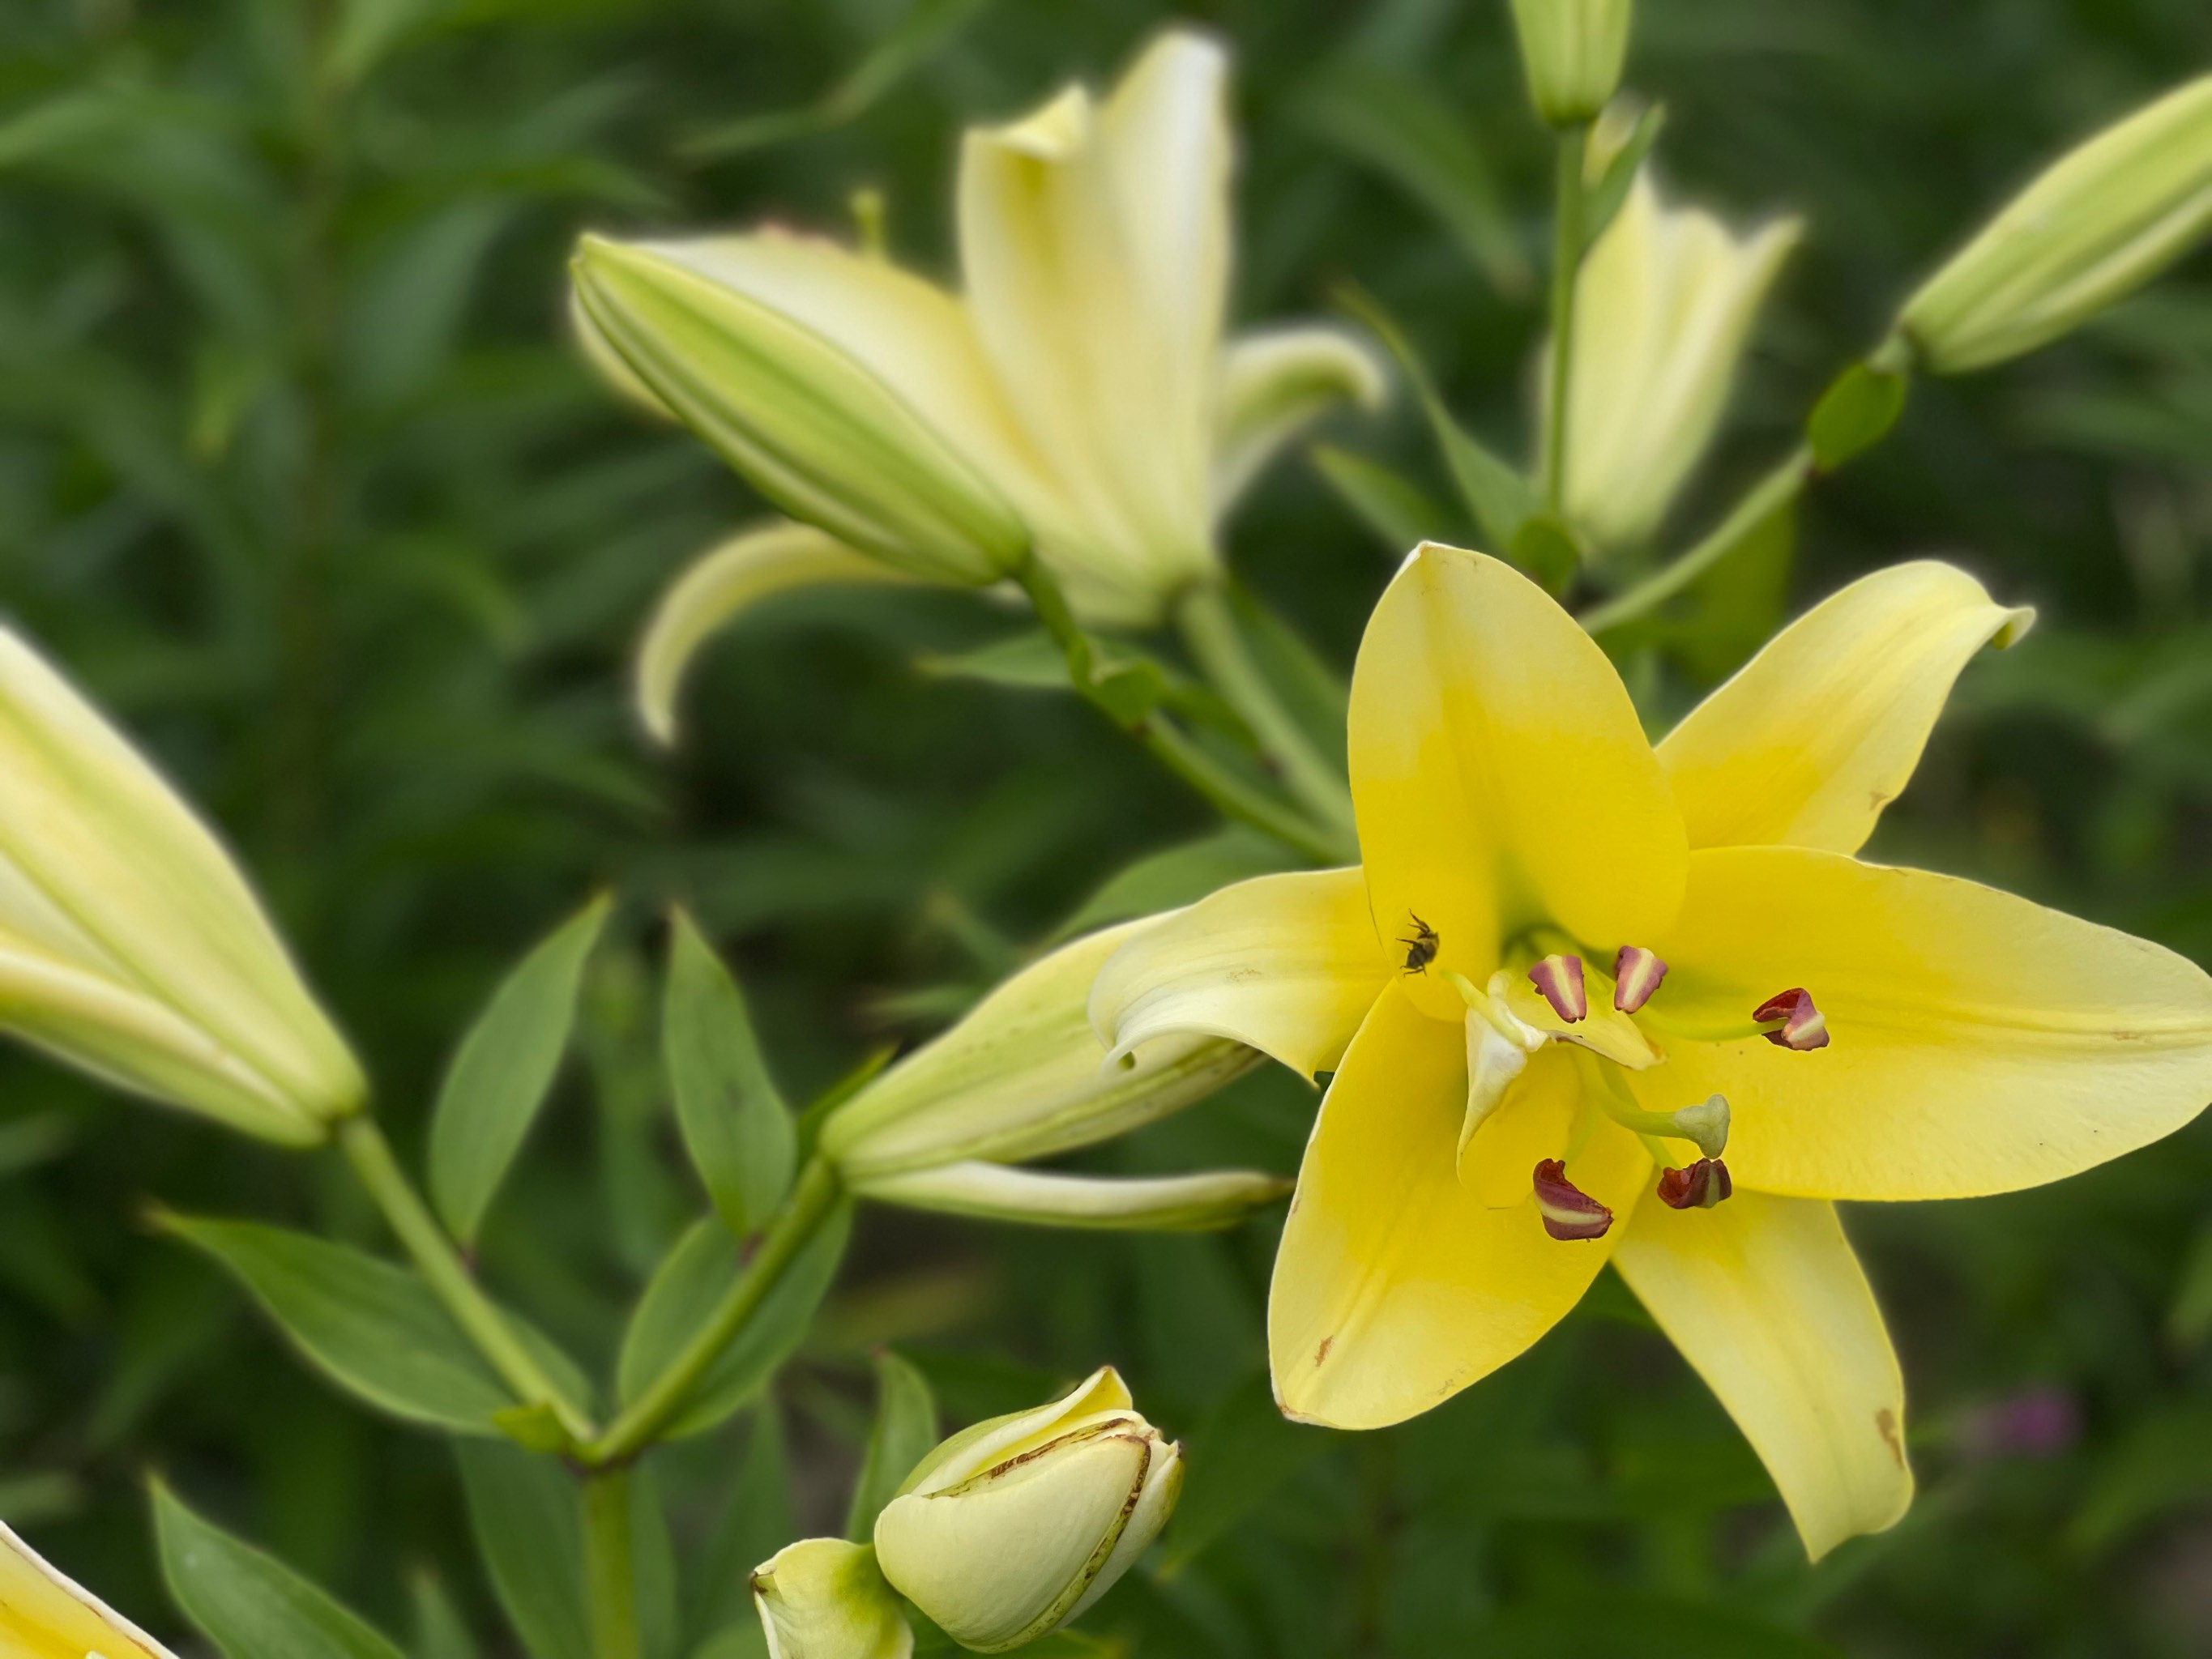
1568	1211
1700	1186
1636	975
1561	979
1790	1020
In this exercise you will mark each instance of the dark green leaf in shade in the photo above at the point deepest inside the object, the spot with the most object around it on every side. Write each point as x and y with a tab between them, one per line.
530	1538
735	1124
440	1632
500	1077
1178	875
904	1430
698	1270
755	1522
1243	1455
1547	549
1854	414
249	1604
1400	512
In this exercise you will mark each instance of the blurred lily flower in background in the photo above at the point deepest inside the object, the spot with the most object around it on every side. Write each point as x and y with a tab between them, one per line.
1077	400
44	1615
130	945
1838	1028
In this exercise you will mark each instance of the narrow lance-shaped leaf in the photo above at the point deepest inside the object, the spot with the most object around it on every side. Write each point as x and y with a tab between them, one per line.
251	1605
735	1124
530	1538
904	1431
500	1077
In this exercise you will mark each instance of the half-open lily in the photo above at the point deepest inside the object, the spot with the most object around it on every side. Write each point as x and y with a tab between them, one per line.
1077	400
1564	945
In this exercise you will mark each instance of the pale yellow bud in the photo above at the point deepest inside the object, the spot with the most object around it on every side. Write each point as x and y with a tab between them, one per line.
45	1616
1572	51
2098	225
822	1598
130	945
1016	1525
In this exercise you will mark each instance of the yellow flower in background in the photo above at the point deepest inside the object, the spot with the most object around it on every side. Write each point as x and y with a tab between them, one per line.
44	1615
1564	944
1011	1528
2097	224
1076	398
1663	308
1018	1078
131	946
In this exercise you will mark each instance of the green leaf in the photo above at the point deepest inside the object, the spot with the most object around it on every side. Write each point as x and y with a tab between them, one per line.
1179	875
251	1605
1251	1450
1854	414
1400	512
498	1080
2162	1464
904	1431
531	1539
372	1327
1648	1626
1028	661
1413	137
1547	549
440	1632
736	1125
692	1279
756	1523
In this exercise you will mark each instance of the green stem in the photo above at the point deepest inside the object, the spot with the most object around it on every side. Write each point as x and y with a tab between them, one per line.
1209	629
810	1201
1770	493
608	1572
419	1234
1235	798
1566	265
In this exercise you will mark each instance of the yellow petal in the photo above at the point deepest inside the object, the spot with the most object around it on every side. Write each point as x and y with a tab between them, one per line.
1288	964
1821	729
44	1615
1022	1075
1663	308
1275	382
1094	244
1979	1043
730	578
1499	775
1765	1297
1396	1286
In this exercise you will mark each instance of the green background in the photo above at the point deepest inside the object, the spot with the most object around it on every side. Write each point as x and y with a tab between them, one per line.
299	477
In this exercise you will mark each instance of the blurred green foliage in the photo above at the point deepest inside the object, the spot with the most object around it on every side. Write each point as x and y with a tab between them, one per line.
298	474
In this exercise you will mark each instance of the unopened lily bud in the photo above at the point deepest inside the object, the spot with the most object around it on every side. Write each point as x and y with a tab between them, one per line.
1706	1124
2093	228
1700	1186
1014	1526
1802	1025
806	423
823	1598
131	946
43	1614
1572	51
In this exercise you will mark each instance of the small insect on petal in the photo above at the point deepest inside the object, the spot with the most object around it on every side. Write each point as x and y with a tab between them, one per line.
1568	1211
1561	979
1636	975
1803	1026
1700	1186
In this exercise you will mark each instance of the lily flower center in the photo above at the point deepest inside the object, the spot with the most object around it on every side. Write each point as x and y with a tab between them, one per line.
1616	1018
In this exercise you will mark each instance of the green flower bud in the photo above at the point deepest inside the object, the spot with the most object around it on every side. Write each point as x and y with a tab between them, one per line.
1014	1526
810	426
822	1598
2098	225
131	946
1572	51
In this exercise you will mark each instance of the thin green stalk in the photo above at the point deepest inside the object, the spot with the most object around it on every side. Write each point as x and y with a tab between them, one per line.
1566	265
1235	798
1209	629
810	1201
1662	584
610	1572
420	1235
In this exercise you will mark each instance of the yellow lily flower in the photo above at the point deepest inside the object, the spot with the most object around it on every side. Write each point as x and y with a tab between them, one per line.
44	1615
1569	958
1077	399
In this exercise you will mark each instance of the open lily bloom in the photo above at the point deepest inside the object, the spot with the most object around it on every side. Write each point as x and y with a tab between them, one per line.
1079	388
44	1615
1589	1000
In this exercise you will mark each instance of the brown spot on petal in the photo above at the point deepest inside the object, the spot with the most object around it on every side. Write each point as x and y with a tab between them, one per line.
1322	1353
1885	1423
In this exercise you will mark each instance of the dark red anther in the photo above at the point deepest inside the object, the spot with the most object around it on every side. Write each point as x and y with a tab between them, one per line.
1569	1213
1636	975
1803	1026
1700	1186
